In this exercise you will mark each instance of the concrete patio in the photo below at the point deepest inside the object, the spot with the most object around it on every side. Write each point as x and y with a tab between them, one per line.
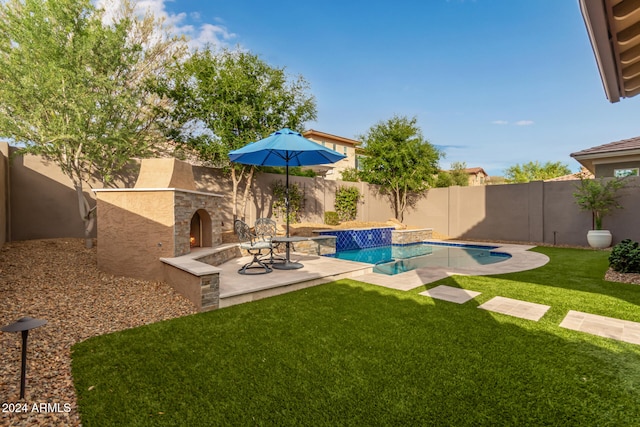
237	288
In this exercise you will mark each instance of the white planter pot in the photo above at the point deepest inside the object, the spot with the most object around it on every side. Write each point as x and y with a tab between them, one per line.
599	239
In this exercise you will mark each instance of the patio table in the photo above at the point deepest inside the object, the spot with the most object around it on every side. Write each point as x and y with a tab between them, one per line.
287	264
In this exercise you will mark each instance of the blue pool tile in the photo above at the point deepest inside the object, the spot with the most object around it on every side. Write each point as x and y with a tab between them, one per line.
359	239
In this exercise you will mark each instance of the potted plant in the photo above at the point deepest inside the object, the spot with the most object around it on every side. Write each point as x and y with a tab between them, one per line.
600	196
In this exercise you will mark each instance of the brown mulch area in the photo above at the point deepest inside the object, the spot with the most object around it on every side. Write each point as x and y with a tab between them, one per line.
58	280
614	276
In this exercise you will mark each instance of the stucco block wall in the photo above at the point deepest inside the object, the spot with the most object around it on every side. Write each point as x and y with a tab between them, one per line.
564	223
4	193
44	205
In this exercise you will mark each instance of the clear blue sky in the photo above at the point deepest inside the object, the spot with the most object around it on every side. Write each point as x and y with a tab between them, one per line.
492	82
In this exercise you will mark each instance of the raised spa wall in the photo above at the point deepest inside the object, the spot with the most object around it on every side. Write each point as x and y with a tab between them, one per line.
358	238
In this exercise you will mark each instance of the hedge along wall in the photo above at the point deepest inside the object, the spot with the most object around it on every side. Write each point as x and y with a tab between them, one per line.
43	204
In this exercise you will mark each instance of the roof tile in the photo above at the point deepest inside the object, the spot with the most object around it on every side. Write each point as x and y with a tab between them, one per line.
623	145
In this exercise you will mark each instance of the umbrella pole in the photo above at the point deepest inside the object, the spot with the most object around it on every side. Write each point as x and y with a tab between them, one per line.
286	201
287	264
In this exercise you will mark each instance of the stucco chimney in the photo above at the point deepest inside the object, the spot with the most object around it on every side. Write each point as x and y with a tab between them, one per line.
165	173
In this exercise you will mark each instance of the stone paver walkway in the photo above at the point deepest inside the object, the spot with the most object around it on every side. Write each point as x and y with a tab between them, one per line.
608	327
622	330
516	308
451	294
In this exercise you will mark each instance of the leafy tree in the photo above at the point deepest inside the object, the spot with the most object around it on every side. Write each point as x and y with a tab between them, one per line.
457	176
350	175
599	196
400	160
534	171
497	180
75	90
228	99
444	179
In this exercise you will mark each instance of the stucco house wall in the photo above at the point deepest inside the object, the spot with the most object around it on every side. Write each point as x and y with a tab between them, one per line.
340	144
608	169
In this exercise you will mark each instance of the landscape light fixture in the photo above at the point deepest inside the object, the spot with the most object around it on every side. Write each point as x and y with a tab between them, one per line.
23	325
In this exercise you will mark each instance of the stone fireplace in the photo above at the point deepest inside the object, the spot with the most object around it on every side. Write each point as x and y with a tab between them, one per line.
163	216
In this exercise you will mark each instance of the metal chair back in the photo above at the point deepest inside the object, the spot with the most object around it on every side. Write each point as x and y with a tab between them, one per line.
243	231
265	228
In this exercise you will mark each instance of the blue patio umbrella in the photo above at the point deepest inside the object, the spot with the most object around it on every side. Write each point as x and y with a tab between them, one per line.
285	148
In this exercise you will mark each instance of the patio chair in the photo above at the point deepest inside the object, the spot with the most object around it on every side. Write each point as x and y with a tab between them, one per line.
254	245
267	229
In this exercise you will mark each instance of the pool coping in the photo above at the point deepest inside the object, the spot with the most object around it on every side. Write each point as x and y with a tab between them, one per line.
521	260
236	288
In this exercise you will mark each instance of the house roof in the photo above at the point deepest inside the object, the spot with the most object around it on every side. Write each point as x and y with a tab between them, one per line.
613	148
475	171
312	132
613	151
584	173
614	30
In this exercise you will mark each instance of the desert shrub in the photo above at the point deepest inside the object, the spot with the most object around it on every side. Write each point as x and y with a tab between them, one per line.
625	257
331	218
346	203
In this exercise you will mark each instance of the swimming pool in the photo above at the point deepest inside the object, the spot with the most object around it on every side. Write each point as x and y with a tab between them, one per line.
395	259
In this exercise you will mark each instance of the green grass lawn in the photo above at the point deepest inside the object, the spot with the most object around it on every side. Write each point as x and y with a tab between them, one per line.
348	353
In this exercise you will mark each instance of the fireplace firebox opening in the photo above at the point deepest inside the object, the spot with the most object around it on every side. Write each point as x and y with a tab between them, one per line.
200	234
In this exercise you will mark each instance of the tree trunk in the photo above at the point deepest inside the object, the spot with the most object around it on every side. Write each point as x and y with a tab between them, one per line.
234	181
403	205
87	215
247	187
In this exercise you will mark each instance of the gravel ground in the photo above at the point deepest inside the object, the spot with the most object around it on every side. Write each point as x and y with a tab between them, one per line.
58	280
614	276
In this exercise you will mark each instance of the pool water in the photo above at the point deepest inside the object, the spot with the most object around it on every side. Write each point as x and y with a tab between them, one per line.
394	259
